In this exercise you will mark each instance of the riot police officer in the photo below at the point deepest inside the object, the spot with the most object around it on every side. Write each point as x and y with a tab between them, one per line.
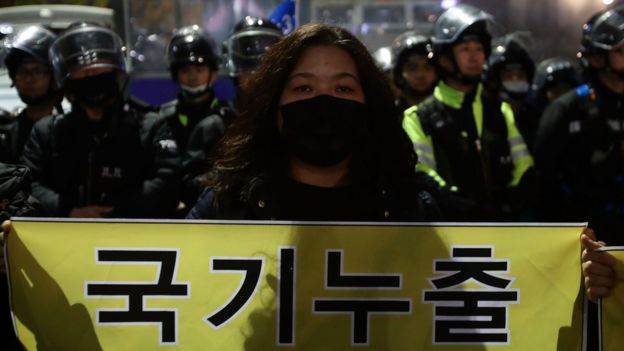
413	72
509	73
197	118
579	146
95	161
554	77
250	39
465	139
31	73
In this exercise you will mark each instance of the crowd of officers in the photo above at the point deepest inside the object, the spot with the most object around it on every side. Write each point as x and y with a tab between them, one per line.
504	138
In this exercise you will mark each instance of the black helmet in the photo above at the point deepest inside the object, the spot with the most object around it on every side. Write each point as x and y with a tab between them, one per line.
605	33
32	42
86	45
586	35
459	23
406	44
191	45
250	39
512	50
553	71
384	59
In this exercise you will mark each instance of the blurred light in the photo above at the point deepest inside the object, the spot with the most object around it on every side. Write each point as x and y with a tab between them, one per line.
446	4
607	2
365	28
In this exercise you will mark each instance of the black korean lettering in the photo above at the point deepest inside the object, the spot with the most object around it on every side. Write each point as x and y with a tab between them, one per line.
137	292
252	268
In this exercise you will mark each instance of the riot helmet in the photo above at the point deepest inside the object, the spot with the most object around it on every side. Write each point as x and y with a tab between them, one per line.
511	55
86	46
460	23
250	39
557	74
406	45
31	43
606	32
191	45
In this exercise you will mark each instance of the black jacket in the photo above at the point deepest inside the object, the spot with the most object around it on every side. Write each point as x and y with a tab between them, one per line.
579	152
14	132
196	130
120	161
394	205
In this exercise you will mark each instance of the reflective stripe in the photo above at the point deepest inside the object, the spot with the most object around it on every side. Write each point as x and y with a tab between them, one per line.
516	141
426	148
426	159
518	154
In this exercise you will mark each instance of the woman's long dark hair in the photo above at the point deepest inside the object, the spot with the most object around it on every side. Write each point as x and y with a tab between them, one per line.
251	150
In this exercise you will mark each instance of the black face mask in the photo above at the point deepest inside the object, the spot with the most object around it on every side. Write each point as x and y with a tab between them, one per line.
95	90
324	130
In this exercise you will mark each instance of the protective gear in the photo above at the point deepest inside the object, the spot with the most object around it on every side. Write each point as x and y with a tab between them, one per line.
552	72
384	58
405	45
86	46
323	130
191	45
250	39
458	24
606	33
601	34
470	143
512	51
31	43
94	90
586	37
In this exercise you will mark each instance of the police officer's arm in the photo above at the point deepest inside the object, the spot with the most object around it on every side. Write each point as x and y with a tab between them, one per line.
520	156
201	142
551	138
33	157
423	145
160	191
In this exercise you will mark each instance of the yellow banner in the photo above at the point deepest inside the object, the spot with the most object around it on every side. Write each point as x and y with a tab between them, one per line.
611	307
250	286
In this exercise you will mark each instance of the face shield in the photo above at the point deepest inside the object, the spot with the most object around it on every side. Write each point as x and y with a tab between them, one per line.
86	48
245	49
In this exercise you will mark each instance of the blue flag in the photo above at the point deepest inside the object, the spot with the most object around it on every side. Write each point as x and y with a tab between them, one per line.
284	16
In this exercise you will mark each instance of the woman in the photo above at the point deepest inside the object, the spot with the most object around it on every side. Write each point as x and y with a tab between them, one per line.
316	140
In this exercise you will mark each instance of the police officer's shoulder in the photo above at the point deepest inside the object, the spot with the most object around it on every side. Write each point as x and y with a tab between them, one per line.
431	114
168	108
7	117
226	110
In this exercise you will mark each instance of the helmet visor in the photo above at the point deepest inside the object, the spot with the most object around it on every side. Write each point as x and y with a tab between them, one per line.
86	47
246	49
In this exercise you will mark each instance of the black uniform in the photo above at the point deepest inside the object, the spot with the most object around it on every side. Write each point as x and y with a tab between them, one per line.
118	161
580	153
196	128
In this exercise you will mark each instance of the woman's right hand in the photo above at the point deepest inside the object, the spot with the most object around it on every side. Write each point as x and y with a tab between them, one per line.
598	273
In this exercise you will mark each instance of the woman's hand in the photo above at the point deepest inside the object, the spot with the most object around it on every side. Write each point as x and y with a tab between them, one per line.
598	273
